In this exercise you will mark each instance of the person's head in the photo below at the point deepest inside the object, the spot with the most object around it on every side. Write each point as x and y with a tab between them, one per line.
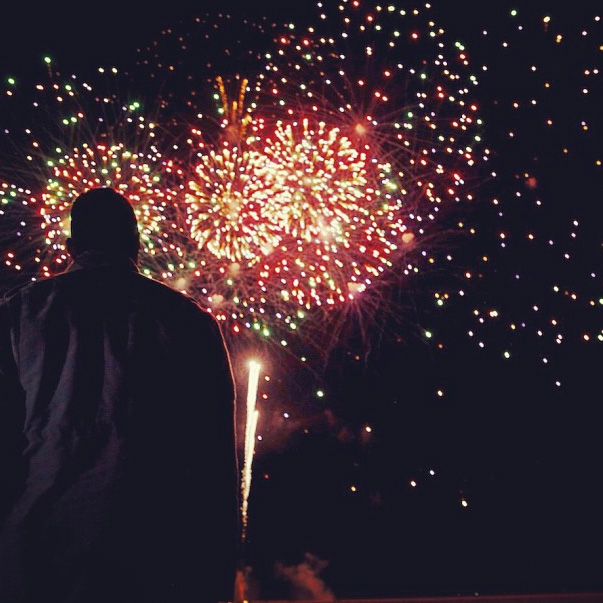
103	221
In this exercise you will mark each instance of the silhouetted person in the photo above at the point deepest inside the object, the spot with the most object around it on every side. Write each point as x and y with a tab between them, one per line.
118	480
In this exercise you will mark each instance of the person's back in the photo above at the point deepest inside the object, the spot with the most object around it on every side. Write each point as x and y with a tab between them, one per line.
118	426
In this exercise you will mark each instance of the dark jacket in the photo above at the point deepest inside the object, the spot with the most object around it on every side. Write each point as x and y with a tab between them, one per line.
117	448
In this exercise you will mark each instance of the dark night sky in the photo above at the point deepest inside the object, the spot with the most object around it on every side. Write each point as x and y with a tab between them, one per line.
523	452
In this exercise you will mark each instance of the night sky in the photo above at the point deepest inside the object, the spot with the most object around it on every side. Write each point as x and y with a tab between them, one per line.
448	438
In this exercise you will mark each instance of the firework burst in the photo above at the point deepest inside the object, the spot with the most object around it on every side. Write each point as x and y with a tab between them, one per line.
325	179
138	176
301	187
229	205
325	167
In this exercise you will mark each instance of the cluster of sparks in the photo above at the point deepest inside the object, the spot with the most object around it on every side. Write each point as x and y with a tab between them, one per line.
536	242
310	185
139	177
529	294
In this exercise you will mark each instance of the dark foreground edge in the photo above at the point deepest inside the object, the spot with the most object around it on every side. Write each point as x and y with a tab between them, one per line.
539	598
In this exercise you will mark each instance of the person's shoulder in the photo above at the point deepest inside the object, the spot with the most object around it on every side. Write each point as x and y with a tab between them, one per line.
167	297
177	309
36	288
157	290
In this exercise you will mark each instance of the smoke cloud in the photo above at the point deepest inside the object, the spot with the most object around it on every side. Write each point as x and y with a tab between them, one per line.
305	580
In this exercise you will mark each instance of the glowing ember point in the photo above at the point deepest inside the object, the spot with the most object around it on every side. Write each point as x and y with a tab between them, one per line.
356	288
180	283
216	299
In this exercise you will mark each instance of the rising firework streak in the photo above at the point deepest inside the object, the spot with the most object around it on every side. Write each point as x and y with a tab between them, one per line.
250	429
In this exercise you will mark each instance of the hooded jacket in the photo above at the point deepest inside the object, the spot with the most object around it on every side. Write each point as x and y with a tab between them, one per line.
117	444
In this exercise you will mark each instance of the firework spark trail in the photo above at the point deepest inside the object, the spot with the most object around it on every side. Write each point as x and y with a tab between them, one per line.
252	416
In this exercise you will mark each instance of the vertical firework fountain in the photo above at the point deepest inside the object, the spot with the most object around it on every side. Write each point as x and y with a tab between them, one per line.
251	423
